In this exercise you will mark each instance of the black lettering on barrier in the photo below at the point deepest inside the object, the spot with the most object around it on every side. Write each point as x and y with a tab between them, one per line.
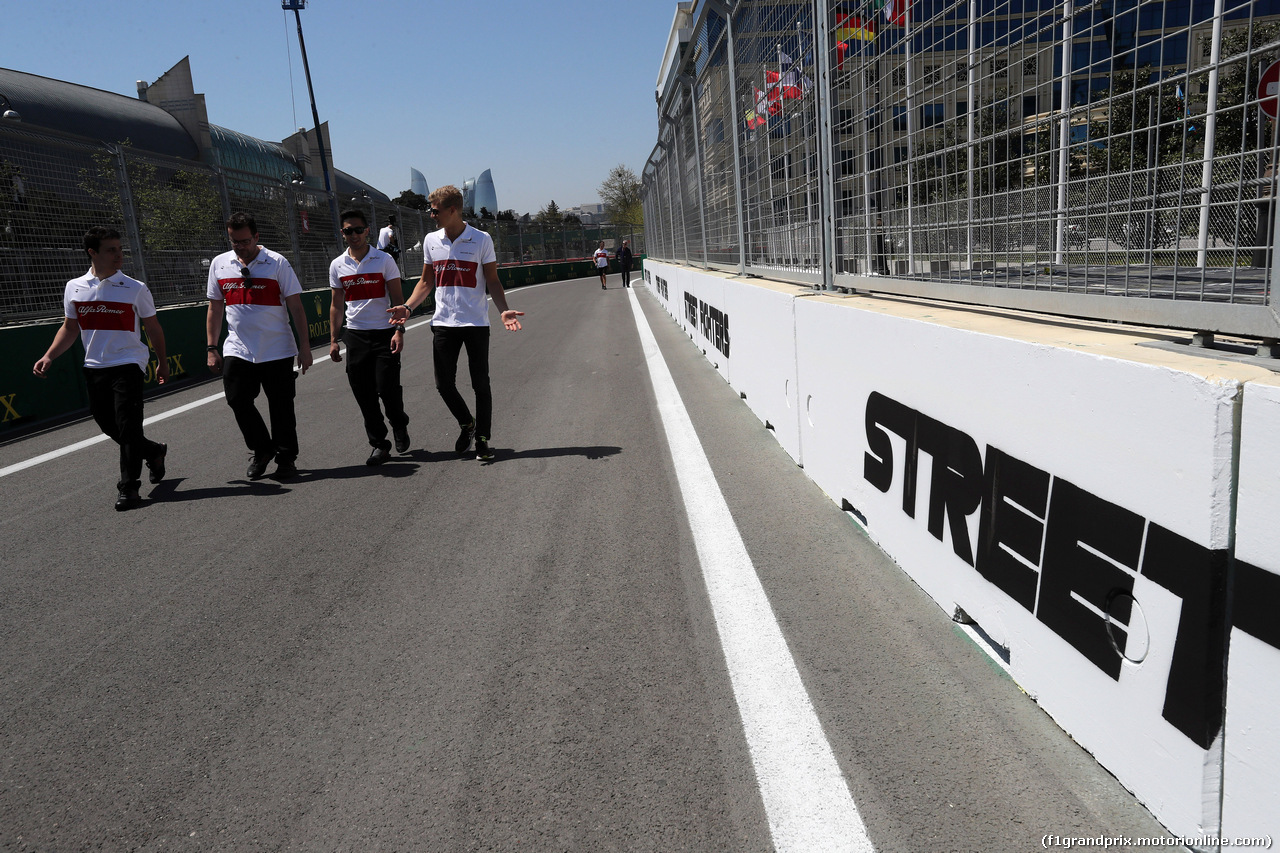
955	486
1253	604
1079	524
1090	554
1014	507
1194	694
691	308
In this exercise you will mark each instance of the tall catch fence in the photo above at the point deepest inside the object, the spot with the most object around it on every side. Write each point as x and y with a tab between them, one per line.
171	213
1111	160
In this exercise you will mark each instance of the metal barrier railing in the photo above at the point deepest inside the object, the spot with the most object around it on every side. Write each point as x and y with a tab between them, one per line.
171	211
1025	153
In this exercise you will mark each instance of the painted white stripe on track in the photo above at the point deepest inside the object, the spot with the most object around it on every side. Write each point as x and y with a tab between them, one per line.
806	798
89	442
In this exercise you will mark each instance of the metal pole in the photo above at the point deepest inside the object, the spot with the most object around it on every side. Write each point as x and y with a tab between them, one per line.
911	134
737	128
697	155
130	215
1210	127
971	86
827	185
315	117
1064	133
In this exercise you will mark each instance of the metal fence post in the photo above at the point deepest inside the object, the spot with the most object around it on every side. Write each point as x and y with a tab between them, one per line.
130	215
290	202
697	157
1210	128
736	124
1064	134
827	184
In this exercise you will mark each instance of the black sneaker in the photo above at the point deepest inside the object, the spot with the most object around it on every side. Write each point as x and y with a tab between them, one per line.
378	456
156	465
285	468
483	452
464	437
258	466
128	499
401	436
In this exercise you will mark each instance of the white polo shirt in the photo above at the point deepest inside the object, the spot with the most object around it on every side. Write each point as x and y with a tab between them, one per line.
384	237
602	258
110	312
462	294
257	319
364	287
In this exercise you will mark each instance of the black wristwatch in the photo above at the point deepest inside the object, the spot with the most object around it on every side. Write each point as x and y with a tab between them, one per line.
212	347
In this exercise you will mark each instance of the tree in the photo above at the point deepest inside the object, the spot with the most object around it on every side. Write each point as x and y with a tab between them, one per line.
506	215
551	213
572	219
411	199
485	214
620	193
179	211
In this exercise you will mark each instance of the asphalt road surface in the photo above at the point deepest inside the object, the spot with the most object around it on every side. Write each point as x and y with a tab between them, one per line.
444	655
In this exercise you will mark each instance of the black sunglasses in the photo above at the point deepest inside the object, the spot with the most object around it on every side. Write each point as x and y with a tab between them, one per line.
355	229
244	271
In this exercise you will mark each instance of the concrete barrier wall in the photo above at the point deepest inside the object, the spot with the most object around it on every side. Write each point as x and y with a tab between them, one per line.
1068	487
1251	784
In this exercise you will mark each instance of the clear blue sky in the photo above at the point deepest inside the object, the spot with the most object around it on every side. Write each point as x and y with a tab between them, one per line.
549	95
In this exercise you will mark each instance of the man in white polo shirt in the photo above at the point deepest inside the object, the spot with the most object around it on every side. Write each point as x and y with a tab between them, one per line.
258	291
602	262
460	264
106	309
364	283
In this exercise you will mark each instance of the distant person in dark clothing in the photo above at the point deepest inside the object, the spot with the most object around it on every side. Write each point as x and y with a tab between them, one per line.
624	259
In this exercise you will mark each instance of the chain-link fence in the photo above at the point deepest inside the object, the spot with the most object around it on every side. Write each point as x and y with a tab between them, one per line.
1029	153
172	212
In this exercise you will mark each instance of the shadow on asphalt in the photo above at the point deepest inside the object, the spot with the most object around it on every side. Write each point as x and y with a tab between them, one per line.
594	451
167	491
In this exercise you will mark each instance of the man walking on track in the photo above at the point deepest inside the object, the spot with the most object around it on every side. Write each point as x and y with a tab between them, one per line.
460	263
624	262
602	263
107	309
258	291
364	283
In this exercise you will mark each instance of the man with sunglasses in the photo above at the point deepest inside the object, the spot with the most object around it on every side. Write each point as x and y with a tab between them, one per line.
461	266
258	292
365	282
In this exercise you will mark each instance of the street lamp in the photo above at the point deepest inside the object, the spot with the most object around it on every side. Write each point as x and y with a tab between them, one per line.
9	112
296	6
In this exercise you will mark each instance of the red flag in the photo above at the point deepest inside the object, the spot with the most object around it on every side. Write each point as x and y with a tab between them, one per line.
783	85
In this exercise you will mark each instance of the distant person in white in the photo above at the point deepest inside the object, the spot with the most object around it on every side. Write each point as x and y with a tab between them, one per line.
258	292
460	265
602	263
389	238
106	309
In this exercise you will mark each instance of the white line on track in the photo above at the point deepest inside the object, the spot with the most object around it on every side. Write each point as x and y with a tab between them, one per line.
89	442
806	799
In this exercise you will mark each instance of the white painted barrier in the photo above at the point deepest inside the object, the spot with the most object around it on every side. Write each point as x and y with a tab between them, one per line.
1251	775
1070	490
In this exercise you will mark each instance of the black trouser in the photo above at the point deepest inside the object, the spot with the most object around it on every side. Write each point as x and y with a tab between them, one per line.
115	401
447	343
242	380
373	372
626	276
